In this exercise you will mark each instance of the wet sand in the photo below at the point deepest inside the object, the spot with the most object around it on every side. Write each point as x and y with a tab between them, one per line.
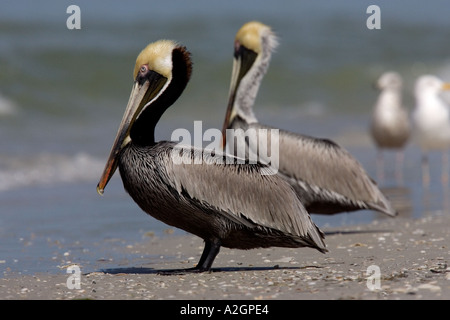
408	259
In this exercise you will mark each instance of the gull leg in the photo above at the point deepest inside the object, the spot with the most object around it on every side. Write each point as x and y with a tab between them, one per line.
445	168
400	157
380	167
425	171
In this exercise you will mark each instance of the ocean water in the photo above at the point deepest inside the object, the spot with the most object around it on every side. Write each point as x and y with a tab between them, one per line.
63	92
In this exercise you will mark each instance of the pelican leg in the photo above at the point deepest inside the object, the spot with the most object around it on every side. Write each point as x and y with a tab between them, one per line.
210	252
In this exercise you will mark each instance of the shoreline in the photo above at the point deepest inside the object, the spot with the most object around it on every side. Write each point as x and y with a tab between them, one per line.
398	258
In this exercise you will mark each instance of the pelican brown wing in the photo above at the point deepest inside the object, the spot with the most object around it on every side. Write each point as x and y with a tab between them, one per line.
327	177
246	193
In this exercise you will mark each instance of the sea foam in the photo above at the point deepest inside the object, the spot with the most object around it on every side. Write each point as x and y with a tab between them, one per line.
46	169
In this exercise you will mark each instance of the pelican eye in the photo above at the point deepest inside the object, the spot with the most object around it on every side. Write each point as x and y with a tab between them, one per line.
144	69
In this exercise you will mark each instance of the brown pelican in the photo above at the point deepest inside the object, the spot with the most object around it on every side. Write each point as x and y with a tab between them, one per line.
432	123
326	177
230	205
390	126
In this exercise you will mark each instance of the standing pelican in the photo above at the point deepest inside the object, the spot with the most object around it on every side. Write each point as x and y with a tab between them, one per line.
230	205
326	177
390	126
432	123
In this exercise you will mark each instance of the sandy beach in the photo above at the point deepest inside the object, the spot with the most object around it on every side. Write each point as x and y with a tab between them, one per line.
400	258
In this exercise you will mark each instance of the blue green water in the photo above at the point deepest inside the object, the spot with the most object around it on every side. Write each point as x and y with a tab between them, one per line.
62	94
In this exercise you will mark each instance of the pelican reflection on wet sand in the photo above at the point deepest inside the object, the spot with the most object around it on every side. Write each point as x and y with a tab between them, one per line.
390	126
326	177
230	205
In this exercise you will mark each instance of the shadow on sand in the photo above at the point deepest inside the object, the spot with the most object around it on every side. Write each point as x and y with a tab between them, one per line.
144	270
350	232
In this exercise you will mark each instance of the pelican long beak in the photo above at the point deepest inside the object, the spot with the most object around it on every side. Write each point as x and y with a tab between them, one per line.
142	95
230	113
242	62
135	104
446	86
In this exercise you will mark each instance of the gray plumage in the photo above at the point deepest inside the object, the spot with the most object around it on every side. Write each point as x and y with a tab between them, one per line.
390	126
326	177
234	204
214	196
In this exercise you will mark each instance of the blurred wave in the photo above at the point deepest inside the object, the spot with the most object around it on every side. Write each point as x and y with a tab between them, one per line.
47	169
7	107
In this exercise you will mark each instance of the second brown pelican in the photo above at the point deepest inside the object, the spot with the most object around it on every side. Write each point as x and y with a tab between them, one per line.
231	205
325	176
390	126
